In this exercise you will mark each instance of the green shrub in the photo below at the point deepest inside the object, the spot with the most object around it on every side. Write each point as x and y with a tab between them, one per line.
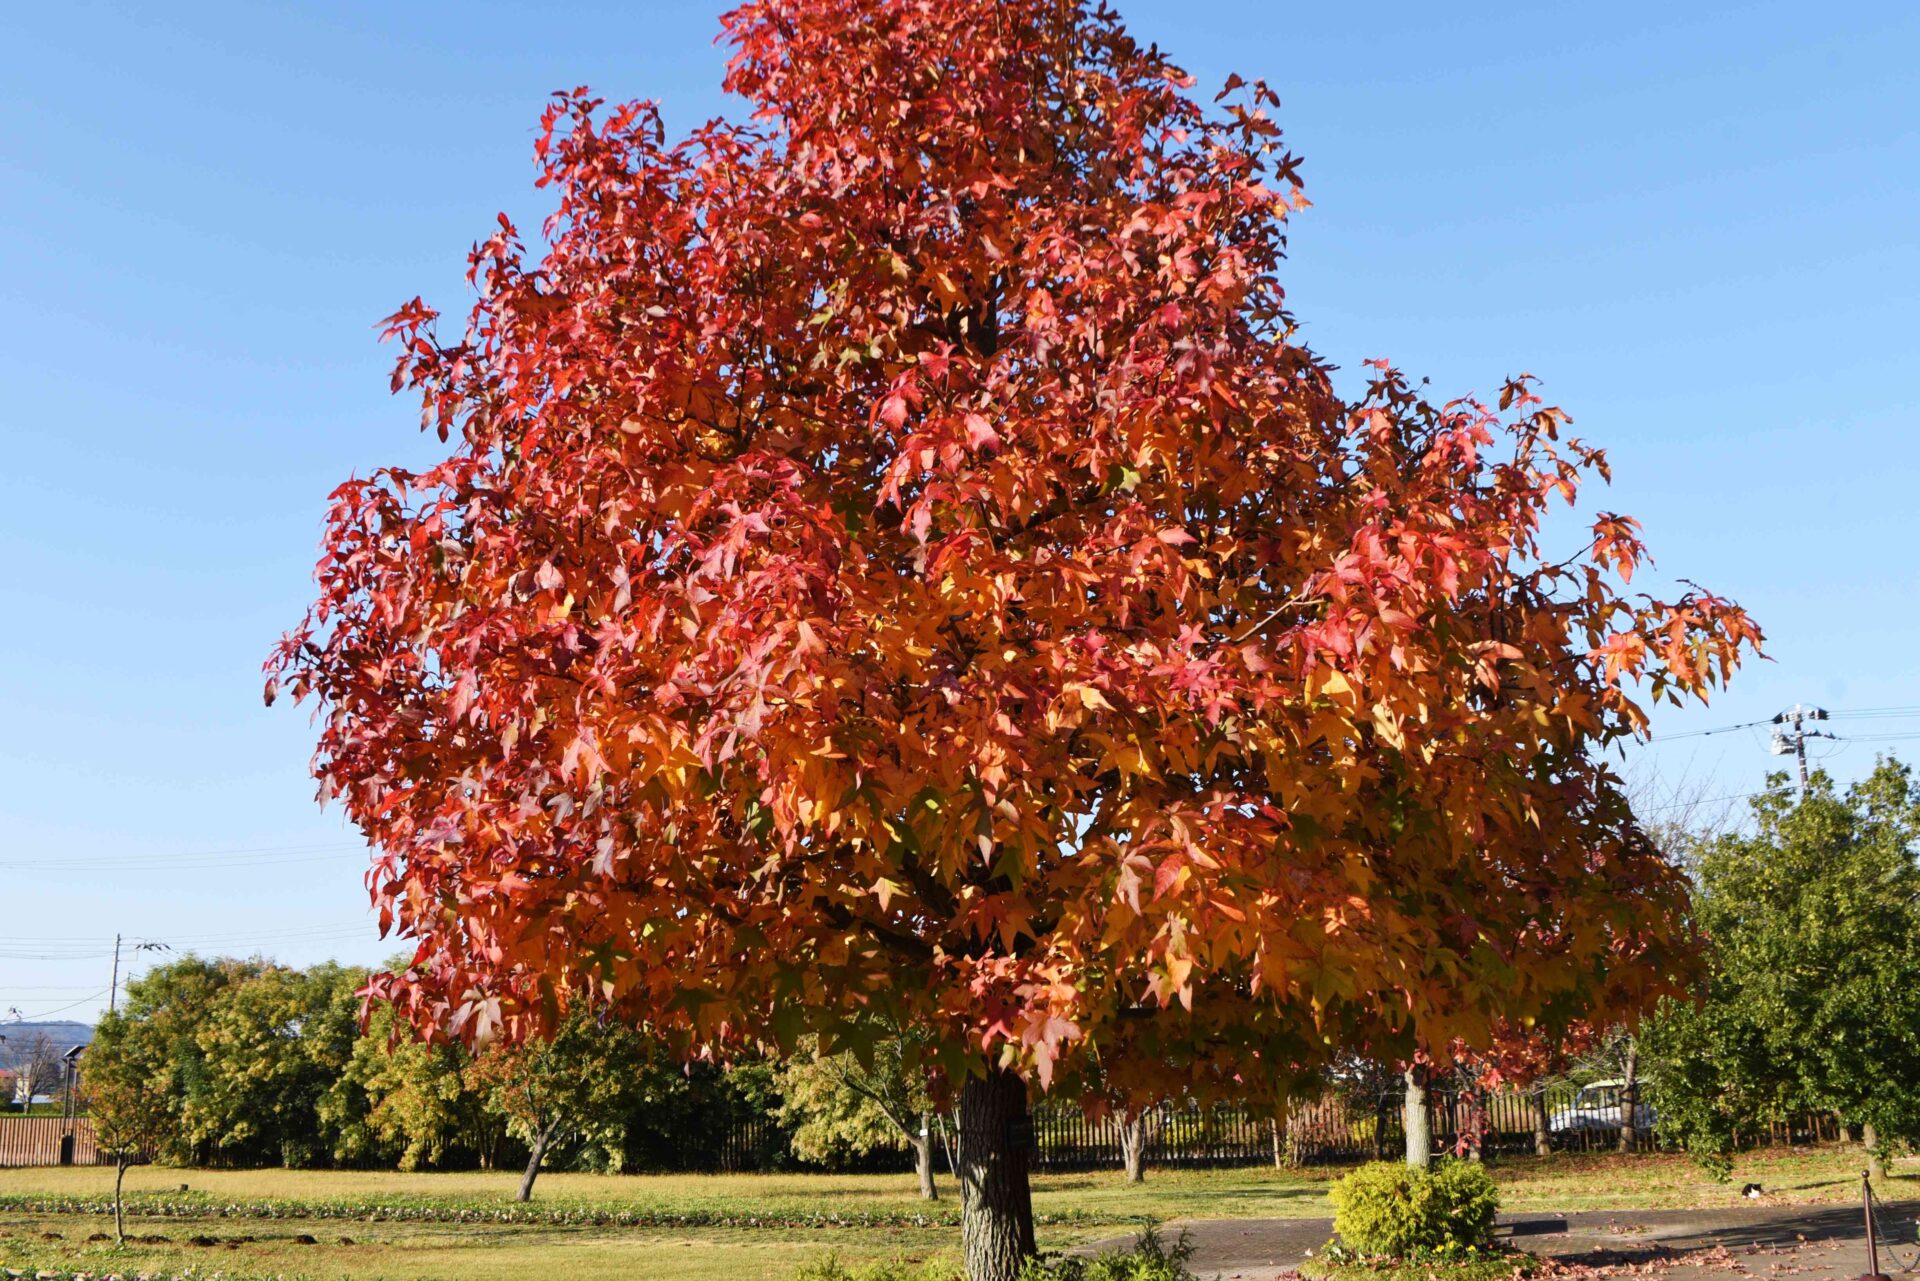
1150	1259
1394	1210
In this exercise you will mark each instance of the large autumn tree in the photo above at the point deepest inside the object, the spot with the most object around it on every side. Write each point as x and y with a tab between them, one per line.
896	565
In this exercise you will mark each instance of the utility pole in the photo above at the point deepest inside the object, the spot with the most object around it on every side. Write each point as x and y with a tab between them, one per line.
1794	740
144	945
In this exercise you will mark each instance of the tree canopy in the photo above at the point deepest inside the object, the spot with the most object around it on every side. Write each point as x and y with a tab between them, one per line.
124	1092
905	531
1813	986
896	564
256	1063
840	1106
579	1085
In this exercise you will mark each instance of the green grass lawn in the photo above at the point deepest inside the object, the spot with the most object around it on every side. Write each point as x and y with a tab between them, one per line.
432	1252
736	1227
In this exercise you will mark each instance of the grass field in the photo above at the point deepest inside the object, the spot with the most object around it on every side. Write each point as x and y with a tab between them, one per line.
729	1227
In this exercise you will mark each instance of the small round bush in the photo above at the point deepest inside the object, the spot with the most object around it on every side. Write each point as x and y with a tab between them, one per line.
1385	1208
1466	1200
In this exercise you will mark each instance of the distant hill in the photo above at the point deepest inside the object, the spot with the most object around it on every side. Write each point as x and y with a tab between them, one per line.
18	1036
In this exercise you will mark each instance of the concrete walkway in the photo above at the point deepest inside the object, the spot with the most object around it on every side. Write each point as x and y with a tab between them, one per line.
1809	1243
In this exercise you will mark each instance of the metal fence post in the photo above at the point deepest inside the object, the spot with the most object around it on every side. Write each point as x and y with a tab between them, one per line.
1873	1272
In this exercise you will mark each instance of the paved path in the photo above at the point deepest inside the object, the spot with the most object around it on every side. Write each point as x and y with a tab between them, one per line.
1809	1243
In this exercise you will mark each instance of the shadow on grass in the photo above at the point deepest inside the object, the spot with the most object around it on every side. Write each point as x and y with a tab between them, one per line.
1267	1192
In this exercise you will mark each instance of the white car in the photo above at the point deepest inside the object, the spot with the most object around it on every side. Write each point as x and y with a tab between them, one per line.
1599	1107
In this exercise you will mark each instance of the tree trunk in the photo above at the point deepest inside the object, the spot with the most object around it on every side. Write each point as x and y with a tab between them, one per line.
996	1210
538	1155
950	1140
1630	1100
923	1161
1542	1124
1281	1124
1418	1124
119	1206
1870	1140
1133	1145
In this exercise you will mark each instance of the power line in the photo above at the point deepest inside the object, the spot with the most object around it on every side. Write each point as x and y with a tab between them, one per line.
199	864
1702	733
45	1014
1705	800
189	945
299	847
182	936
1860	713
96	948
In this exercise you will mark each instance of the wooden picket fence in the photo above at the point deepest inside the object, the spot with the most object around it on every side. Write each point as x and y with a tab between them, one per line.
1331	1130
1335	1130
1328	1131
35	1140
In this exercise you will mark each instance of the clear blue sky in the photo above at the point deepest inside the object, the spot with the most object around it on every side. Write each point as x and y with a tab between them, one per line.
1696	221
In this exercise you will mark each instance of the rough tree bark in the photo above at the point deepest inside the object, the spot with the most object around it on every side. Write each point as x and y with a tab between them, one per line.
1630	1099
1542	1125
996	1211
541	1141
1418	1124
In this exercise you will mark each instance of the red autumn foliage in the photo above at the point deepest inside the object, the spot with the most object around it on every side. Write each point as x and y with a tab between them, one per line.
896	559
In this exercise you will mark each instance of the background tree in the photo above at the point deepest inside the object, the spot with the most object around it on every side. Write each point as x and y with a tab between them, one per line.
165	1009
575	1087
1813	988
840	1105
699	1107
1615	1053
1139	1125
896	564
1369	1086
125	1092
1288	1136
407	1101
271	1046
1532	1059
36	1067
1137	1121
